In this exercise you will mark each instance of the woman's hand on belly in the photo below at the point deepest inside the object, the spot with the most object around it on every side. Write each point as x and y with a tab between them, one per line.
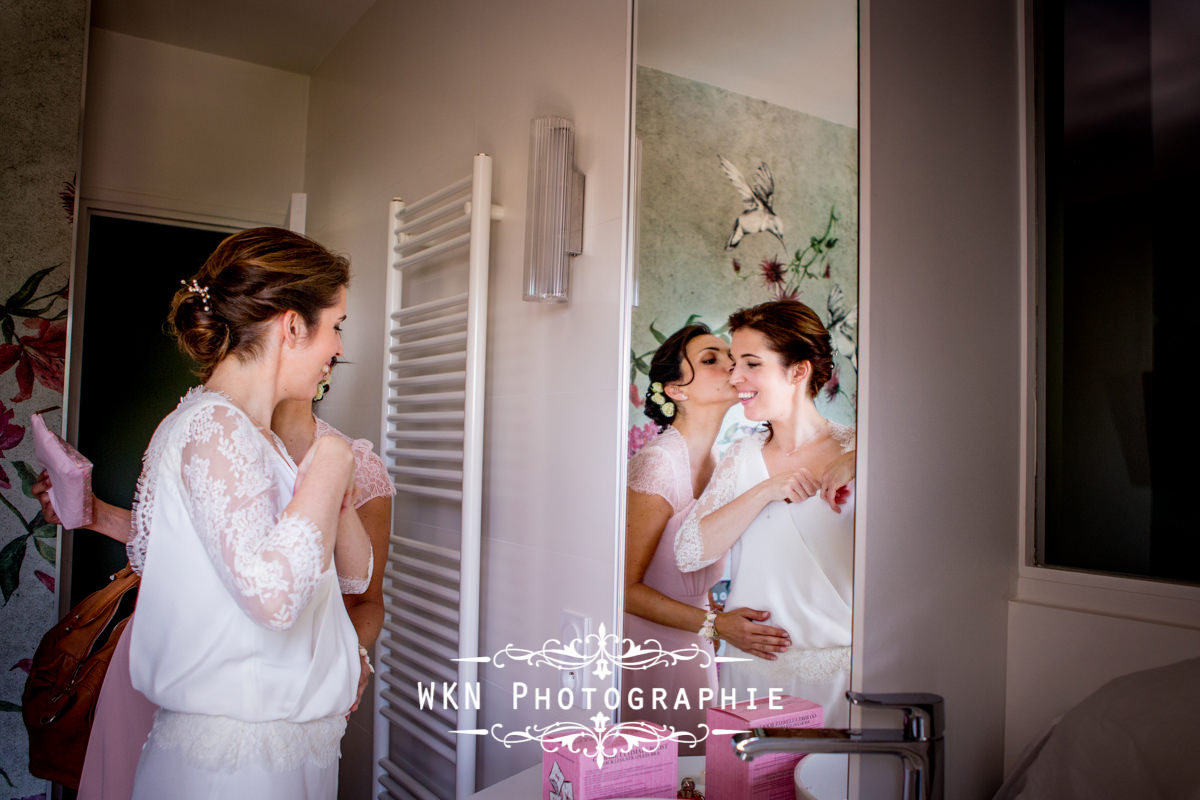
744	629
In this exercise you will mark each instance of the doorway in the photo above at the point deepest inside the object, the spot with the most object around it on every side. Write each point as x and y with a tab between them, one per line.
130	373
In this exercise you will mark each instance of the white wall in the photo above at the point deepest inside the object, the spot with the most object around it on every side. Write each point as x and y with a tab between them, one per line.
177	130
941	401
1058	656
802	56
400	107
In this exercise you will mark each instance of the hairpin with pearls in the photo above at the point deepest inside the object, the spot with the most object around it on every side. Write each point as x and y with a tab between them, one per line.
195	287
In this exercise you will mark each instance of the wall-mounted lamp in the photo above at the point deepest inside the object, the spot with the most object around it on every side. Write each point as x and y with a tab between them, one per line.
554	228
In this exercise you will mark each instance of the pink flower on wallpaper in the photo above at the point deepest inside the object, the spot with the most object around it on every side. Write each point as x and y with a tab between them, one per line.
737	267
783	293
67	197
10	436
831	385
41	356
25	664
772	271
635	396
47	580
639	436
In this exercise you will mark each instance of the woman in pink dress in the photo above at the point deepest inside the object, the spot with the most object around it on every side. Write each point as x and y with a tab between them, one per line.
688	397
123	715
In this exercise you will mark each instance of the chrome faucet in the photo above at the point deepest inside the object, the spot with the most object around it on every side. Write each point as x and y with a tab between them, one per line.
919	744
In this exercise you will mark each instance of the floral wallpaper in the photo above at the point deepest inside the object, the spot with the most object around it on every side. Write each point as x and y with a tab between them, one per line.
41	75
33	338
741	201
35	358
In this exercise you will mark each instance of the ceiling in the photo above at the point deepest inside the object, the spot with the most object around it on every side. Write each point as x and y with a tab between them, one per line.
293	35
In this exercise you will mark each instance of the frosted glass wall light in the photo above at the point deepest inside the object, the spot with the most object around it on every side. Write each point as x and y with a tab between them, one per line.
554	225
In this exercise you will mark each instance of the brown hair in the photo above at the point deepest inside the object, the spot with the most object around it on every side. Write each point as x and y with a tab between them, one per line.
251	277
667	367
794	332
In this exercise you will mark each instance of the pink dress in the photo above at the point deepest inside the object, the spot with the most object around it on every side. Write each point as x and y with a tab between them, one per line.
124	717
662	468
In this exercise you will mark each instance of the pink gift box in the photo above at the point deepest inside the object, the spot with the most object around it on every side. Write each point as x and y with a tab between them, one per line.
767	777
645	771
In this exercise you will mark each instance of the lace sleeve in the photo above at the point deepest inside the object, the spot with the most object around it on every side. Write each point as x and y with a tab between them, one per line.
270	565
651	472
690	553
845	436
370	475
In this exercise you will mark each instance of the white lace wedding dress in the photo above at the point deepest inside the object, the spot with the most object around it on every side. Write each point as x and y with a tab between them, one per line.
240	635
794	560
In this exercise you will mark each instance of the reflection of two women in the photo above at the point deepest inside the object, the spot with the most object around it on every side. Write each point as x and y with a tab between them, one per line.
778	506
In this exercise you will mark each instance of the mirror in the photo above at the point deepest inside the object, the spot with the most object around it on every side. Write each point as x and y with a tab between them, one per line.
745	190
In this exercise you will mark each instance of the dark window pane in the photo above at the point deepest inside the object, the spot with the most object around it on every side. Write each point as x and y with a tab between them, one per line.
1119	110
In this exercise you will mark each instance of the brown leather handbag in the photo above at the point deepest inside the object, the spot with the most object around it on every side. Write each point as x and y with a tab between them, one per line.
59	702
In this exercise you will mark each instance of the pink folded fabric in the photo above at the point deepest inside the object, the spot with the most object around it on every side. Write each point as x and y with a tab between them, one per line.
70	475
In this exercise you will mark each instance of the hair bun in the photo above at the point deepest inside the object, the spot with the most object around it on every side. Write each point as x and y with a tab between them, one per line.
202	335
251	277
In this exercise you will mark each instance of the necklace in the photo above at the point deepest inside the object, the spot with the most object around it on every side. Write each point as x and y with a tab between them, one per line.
790	453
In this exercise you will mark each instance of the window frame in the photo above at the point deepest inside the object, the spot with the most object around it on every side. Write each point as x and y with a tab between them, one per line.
1148	599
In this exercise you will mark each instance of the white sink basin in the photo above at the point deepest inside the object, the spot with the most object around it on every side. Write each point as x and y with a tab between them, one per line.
822	776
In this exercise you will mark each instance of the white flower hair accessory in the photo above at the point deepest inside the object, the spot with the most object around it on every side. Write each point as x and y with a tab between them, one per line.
323	386
657	395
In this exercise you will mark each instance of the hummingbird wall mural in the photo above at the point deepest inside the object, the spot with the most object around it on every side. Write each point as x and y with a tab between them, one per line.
741	201
757	214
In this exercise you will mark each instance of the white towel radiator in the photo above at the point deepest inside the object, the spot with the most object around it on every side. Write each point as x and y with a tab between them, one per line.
432	438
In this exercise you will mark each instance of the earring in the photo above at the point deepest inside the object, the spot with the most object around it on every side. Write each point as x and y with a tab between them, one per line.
683	397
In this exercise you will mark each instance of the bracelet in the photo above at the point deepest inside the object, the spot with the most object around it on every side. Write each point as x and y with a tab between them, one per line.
709	629
362	651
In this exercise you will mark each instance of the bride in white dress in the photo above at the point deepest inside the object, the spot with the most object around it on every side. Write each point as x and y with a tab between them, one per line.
240	634
783	500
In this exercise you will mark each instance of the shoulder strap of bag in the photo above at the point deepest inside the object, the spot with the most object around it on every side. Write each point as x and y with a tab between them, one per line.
92	614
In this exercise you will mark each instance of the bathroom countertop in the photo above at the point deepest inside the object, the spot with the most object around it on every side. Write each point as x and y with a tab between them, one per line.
527	784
